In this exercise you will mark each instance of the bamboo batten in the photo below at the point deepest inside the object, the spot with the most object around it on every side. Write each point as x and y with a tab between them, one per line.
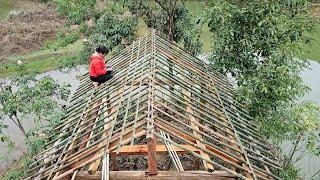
161	102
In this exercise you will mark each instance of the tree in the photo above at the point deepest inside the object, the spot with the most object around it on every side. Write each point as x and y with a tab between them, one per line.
171	18
170	8
77	11
301	128
113	26
26	97
257	43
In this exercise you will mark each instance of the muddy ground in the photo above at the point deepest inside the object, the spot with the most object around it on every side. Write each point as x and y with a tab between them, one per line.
28	27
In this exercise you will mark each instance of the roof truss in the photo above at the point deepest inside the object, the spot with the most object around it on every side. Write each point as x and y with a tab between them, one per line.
161	101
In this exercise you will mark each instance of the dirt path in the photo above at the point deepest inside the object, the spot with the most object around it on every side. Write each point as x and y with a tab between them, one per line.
28	28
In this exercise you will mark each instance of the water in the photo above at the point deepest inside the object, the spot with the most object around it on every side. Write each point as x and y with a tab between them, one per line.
309	165
13	131
311	78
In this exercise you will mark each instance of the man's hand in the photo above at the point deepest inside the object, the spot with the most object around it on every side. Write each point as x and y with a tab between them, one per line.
109	68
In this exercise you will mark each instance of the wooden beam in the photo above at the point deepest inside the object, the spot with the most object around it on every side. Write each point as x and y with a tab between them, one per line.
94	166
193	123
162	175
227	122
143	150
152	162
89	160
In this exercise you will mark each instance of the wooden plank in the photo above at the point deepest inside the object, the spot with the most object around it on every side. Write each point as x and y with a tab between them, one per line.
143	150
152	163
162	175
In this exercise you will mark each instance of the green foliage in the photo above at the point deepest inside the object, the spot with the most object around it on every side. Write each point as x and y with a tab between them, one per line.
15	174
28	99
170	15
114	28
256	43
301	122
187	31
111	29
37	138
27	96
2	126
18	170
63	38
76	11
289	173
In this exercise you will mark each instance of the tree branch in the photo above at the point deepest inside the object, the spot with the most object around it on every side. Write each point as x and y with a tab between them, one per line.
315	174
163	7
293	150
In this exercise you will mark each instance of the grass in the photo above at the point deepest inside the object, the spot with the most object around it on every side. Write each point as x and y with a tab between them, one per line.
77	46
313	49
40	66
5	7
41	61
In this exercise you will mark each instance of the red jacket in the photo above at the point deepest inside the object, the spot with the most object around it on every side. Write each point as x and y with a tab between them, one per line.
97	65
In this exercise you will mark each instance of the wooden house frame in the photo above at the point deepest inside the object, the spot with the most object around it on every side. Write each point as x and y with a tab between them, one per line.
164	115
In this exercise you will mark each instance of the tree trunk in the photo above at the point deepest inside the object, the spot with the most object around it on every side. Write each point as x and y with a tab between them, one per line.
170	28
18	123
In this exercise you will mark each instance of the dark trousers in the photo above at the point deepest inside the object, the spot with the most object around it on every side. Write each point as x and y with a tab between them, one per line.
102	78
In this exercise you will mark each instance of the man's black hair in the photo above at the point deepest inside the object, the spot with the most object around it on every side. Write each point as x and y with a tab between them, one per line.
102	49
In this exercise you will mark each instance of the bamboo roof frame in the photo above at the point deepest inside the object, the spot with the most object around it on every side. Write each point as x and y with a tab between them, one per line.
161	100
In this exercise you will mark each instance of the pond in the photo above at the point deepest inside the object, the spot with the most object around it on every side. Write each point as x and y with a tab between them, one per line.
310	164
61	77
312	78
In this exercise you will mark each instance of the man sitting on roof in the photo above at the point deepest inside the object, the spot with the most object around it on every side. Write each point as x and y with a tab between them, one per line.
98	71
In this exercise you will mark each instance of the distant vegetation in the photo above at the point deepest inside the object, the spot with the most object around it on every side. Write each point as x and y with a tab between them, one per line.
196	10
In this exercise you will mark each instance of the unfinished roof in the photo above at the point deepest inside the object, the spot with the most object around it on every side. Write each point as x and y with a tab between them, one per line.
163	111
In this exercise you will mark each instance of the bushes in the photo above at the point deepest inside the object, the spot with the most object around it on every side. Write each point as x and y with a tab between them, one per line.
63	38
111	29
76	11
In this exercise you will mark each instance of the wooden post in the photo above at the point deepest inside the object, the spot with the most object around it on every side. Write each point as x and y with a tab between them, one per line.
114	164
196	164
152	163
